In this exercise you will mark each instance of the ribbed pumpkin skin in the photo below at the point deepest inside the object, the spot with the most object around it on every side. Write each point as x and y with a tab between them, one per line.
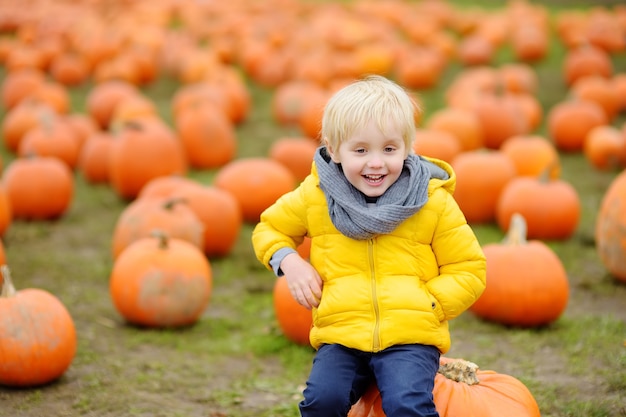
496	395
611	228
38	338
158	284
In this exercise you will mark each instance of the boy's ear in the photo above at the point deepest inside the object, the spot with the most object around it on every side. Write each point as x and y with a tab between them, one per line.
331	151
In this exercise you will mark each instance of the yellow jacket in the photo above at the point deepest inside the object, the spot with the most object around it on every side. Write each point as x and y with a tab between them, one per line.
399	288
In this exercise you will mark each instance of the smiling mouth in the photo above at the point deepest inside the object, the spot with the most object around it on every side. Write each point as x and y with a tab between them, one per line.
374	179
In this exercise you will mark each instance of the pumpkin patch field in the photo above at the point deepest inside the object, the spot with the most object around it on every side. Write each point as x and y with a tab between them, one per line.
141	139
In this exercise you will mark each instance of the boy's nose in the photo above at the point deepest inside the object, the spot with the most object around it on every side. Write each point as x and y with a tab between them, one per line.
375	161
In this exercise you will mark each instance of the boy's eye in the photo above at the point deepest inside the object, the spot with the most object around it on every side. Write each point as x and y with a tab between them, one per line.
390	149
360	150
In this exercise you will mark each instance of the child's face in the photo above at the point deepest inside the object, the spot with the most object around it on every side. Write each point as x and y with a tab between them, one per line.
371	160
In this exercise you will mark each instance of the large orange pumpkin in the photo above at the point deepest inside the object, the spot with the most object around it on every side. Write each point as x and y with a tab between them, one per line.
161	282
461	389
610	229
527	284
38	336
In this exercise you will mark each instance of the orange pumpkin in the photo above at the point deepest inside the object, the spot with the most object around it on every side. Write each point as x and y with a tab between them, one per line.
38	336
3	259
6	212
603	147
436	144
501	117
20	119
143	150
82	125
38	187
289	100
294	153
310	120
527	284
570	121
207	135
477	188
530	43
461	389
104	96
463	124
586	59
165	186
475	49
69	68
52	136
54	94
219	212
161	282
93	158
599	90
419	67
294	320
532	155
142	216
256	183
611	226
18	85
551	207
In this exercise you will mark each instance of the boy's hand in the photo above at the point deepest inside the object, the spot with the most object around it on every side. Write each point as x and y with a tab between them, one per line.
303	280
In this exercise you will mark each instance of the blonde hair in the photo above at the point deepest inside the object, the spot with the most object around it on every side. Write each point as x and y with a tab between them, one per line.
371	98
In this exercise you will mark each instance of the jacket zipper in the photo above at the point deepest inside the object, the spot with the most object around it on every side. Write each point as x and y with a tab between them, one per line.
375	341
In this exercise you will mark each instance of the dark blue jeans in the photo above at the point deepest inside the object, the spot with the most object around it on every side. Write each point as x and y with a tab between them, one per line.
405	375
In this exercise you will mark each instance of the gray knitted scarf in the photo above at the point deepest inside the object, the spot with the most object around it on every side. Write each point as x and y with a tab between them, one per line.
348	208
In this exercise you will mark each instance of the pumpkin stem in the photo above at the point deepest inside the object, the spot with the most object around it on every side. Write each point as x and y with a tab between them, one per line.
162	236
172	202
517	230
460	370
546	174
8	290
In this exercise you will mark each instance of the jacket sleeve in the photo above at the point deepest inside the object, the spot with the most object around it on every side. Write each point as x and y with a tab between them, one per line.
462	263
282	225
